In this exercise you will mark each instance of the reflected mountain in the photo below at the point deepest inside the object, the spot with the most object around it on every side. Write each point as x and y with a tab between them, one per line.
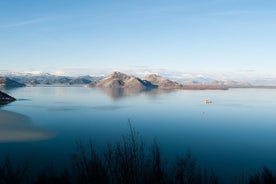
119	93
2	103
157	92
15	127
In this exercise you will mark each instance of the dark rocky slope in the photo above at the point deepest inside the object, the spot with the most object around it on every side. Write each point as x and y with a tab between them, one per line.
5	99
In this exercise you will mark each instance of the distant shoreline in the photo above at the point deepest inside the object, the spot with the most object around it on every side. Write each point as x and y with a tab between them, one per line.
118	80
184	87
258	87
213	87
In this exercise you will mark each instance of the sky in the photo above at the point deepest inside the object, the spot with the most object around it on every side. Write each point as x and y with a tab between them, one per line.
177	35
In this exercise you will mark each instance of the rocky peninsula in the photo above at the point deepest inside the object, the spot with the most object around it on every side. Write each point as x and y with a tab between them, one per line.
5	98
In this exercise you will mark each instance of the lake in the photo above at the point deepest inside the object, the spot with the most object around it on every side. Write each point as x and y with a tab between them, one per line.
234	135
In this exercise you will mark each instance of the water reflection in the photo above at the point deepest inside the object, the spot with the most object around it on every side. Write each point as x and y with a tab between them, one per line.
2	103
15	127
158	92
108	107
119	93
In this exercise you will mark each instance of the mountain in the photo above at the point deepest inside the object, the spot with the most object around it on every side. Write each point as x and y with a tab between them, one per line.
8	83
43	79
268	81
230	84
49	79
83	80
79	80
162	82
121	80
200	80
188	79
4	98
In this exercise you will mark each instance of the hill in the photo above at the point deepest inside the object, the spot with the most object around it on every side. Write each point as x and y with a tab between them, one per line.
121	80
161	82
8	83
45	79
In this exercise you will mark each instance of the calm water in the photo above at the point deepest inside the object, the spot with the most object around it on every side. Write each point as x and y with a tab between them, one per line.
234	135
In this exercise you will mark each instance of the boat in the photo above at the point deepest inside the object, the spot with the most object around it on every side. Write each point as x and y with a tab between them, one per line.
207	101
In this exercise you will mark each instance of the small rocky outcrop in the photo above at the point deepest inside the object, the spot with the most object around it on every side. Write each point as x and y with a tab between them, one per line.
161	82
121	80
5	99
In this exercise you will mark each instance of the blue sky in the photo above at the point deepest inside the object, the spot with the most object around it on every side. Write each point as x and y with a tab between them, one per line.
183	35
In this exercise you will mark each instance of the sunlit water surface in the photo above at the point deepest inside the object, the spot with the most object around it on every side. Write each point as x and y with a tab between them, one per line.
234	135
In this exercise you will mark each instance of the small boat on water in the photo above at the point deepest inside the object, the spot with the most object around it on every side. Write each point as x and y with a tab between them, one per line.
207	101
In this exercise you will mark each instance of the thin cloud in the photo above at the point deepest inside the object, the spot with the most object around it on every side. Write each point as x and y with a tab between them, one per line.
242	12
238	12
248	70
25	23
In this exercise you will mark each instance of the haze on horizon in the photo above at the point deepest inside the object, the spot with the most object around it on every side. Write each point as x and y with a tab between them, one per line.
189	36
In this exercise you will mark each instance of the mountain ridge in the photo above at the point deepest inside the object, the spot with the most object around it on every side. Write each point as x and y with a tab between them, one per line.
121	80
185	78
162	82
49	79
118	80
6	82
131	81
